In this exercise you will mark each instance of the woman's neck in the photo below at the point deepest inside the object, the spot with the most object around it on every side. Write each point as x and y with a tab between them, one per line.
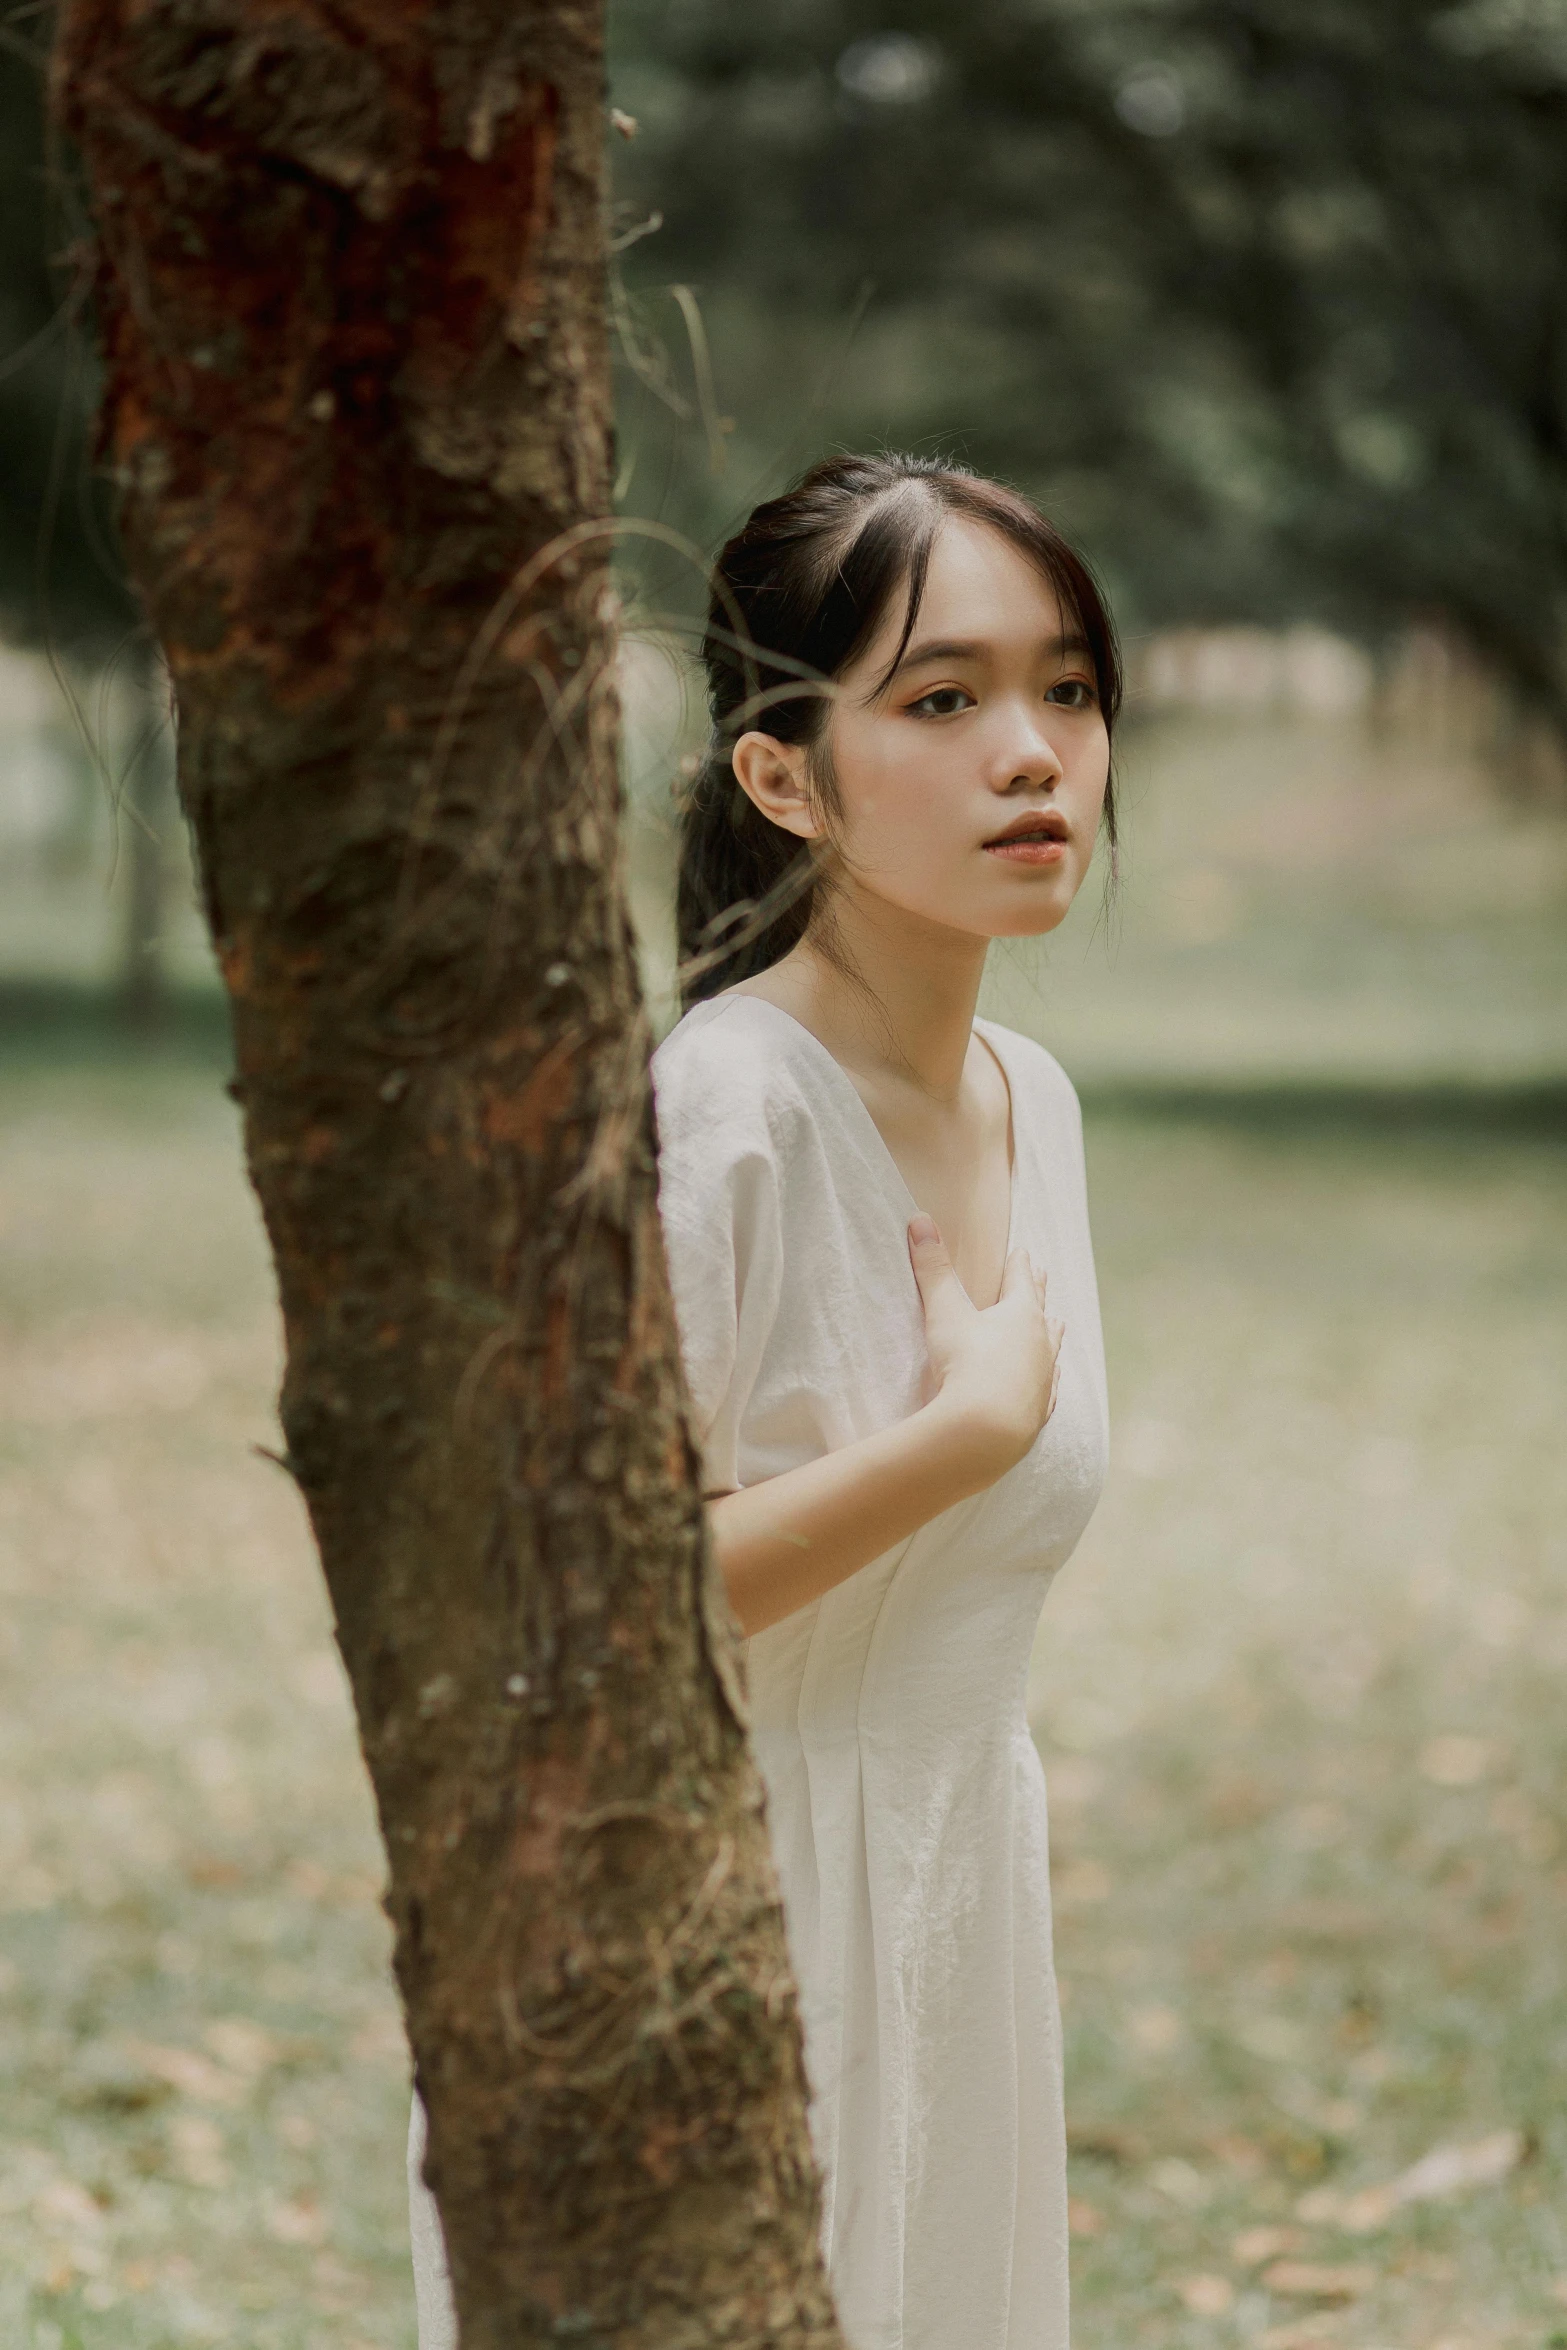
889	994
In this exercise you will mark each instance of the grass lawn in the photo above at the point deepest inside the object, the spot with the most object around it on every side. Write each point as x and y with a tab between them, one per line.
1299	1696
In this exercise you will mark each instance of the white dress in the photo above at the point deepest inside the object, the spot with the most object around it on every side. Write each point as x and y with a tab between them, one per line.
906	1801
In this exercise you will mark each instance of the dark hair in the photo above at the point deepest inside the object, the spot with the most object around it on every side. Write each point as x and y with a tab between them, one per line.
796	595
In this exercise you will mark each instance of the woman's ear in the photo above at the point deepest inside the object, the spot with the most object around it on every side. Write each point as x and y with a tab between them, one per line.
772	776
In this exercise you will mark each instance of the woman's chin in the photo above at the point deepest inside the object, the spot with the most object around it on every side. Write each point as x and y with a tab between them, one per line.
1032	921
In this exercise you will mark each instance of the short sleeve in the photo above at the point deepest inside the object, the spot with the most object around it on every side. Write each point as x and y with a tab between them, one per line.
719	1206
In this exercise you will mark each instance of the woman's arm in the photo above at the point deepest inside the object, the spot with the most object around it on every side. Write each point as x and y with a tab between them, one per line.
784	1542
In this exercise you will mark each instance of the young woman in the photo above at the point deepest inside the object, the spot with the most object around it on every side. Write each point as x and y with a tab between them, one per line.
874	1211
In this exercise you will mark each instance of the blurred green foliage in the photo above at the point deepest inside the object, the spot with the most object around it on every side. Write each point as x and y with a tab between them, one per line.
1267	299
61	578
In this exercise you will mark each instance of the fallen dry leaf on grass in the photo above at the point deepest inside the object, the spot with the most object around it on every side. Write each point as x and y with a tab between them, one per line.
61	2202
1455	1760
1322	2207
1205	2296
1084	2218
197	2146
193	2075
1180	2181
1316	2280
301	2221
1083	1881
245	2047
1446	2170
1303	2333
1255	2245
1155	2030
1238	2152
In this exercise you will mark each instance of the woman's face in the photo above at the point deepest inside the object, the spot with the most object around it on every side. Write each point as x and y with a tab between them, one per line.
971	787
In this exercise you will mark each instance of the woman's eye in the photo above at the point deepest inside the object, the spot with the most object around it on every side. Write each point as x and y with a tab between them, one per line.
1073	693
945	701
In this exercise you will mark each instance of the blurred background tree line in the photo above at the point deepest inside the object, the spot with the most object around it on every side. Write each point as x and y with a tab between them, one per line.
1265	299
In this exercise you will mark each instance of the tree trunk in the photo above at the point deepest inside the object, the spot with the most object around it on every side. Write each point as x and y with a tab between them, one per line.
357	406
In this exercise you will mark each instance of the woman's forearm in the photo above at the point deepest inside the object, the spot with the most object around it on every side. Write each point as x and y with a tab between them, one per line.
784	1542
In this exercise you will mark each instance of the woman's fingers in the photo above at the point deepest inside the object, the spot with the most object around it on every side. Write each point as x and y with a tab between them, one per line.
1004	1363
929	1255
925	1236
939	1287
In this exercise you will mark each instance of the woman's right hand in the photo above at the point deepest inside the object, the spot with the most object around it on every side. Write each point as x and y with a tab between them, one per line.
788	1539
995	1369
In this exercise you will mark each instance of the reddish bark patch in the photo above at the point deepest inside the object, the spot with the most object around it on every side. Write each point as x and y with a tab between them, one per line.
325	299
557	1791
527	1120
665	2147
318	1144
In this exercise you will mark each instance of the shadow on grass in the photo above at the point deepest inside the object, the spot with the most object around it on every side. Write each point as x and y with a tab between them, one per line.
49	1023
57	1023
1325	1106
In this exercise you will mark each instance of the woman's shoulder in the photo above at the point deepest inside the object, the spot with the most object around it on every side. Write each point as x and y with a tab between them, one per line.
733	1075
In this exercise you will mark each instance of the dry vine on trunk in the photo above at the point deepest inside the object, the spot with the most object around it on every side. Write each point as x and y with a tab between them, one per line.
351	300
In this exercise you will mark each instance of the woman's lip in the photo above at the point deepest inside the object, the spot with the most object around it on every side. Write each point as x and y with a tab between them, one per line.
1027	852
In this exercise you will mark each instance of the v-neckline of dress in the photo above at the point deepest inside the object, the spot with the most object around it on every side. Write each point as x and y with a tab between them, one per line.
858	1111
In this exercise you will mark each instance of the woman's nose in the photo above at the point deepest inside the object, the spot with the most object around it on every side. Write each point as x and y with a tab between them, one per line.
1028	761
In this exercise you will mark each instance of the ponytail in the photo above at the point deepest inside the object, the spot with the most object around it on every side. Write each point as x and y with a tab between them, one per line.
745	889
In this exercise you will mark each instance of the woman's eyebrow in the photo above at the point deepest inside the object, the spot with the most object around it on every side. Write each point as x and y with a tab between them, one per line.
974	649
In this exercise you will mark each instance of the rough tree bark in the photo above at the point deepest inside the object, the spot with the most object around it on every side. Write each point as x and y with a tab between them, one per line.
357	406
